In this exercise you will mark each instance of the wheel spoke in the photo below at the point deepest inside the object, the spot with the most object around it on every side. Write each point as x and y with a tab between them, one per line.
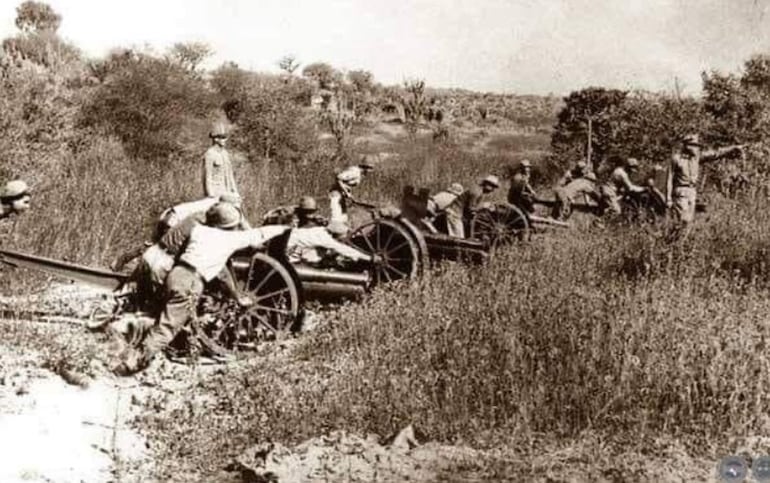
266	308
390	237
378	238
398	247
265	279
271	294
387	275
403	274
369	244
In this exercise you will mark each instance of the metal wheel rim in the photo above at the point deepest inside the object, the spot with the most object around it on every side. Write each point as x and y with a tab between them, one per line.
394	244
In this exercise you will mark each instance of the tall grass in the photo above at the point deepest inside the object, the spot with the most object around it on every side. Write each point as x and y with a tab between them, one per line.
619	333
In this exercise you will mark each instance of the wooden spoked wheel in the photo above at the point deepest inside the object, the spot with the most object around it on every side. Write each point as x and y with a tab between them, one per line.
277	305
503	226
392	241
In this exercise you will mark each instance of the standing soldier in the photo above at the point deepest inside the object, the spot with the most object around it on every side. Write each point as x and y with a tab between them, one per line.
15	198
682	177
619	184
341	192
449	204
218	176
521	194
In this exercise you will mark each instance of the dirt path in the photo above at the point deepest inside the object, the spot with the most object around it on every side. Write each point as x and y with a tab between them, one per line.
62	432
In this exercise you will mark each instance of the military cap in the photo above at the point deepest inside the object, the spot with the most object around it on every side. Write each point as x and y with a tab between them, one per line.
218	130
691	140
308	203
456	189
491	180
525	163
14	189
632	163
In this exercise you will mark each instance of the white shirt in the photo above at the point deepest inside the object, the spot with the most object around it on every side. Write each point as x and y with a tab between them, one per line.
304	242
209	248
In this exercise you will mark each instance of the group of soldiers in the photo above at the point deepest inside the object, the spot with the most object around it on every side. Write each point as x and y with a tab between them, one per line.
193	241
580	181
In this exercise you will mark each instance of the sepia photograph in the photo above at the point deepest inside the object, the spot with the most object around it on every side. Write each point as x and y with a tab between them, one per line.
384	241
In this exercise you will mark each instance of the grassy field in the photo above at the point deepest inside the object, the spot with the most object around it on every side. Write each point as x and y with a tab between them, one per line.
596	341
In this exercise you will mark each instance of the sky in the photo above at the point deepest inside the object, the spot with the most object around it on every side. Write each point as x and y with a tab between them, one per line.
514	46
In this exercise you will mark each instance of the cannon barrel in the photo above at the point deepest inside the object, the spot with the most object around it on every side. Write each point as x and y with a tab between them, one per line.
548	221
315	275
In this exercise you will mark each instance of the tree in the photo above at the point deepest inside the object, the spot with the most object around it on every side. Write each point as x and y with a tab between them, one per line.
189	55
590	108
324	74
37	17
414	104
145	101
288	63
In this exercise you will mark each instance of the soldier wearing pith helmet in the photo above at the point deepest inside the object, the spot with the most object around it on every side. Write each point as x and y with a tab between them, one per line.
15	198
218	175
682	177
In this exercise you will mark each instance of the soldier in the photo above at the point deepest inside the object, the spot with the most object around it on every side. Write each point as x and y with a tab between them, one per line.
173	216
218	176
682	177
341	192
449	204
311	243
15	198
207	250
565	195
521	194
305	213
477	198
619	184
577	172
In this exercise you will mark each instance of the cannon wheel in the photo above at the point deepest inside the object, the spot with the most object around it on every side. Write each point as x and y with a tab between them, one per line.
277	308
500	227
394	242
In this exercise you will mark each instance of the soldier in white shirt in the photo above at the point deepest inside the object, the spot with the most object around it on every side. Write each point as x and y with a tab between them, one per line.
341	192
206	253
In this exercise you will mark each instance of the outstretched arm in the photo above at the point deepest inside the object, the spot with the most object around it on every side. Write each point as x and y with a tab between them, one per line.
719	153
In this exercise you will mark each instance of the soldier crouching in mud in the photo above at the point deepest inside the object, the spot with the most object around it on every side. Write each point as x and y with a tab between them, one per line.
15	198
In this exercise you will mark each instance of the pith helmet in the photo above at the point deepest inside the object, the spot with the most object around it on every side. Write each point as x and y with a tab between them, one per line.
14	189
632	163
223	215
691	139
581	165
218	130
367	162
456	189
308	203
525	163
231	198
491	180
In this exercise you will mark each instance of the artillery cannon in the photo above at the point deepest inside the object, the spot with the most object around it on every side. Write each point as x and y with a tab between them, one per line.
264	274
406	241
